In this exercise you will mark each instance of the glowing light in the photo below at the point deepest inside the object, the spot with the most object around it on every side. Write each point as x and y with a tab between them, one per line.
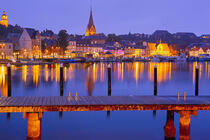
65	74
36	69
52	73
3	81
102	72
163	71
24	73
46	73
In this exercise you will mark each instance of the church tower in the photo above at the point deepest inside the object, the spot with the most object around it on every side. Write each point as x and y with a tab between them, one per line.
91	30
4	20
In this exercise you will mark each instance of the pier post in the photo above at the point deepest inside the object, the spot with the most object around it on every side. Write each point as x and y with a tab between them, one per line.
184	125
109	86
154	114
8	116
60	115
109	80
9	78
155	80
34	126
61	87
169	128
61	79
108	114
196	80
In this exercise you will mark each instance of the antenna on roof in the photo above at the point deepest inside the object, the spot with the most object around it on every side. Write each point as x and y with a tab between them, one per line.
129	31
91	3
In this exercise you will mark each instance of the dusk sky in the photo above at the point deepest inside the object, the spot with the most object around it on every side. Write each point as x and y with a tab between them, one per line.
111	16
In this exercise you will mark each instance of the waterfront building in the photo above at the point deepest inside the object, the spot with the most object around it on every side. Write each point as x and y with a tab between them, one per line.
86	45
175	50
207	36
14	39
151	49
4	20
96	39
49	46
114	48
113	51
30	43
91	30
197	51
72	47
6	49
134	51
88	49
161	49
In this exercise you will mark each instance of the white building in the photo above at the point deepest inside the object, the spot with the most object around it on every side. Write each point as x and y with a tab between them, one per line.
6	49
30	42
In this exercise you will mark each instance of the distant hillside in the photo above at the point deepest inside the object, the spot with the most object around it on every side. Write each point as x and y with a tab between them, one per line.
10	29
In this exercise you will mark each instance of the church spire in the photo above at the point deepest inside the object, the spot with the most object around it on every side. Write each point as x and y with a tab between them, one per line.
91	27
4	20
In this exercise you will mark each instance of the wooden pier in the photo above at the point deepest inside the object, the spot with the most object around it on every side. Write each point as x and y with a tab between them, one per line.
103	103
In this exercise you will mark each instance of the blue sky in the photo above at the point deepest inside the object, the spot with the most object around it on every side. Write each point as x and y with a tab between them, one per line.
111	16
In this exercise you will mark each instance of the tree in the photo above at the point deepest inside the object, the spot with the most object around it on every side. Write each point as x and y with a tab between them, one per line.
43	45
113	38
63	40
4	31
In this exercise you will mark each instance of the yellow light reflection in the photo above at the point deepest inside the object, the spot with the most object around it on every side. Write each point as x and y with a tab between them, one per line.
46	72
65	74
57	72
36	69
136	74
102	72
194	66
52	73
122	71
24	73
3	81
163	71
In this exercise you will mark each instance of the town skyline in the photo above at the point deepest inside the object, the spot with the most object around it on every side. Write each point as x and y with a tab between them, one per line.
75	22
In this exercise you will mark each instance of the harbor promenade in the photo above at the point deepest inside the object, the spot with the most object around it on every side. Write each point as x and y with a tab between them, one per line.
103	103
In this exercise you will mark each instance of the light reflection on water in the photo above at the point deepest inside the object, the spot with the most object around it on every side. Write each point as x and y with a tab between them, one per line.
91	80
88	79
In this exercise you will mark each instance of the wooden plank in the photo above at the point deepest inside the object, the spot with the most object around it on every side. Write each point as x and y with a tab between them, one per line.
87	103
23	101
29	101
9	101
51	100
14	101
60	100
3	101
36	101
40	101
65	100
48	101
44	101
57	101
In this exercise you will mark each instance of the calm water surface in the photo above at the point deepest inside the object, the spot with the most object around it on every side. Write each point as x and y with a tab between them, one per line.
91	80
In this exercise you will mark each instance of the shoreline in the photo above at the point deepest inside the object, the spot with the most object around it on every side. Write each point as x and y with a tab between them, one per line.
79	62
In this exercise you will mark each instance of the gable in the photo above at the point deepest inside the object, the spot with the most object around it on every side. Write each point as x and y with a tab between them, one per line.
25	36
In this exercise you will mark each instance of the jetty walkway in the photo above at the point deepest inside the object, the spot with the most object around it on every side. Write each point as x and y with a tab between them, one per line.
103	103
